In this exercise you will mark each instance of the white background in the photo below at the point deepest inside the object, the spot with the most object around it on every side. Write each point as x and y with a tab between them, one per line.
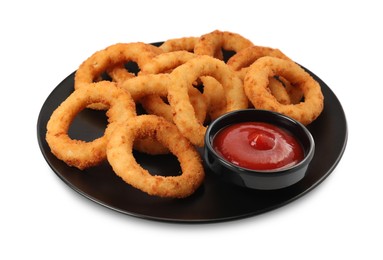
43	42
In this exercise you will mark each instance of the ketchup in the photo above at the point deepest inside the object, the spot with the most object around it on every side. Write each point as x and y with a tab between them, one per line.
258	146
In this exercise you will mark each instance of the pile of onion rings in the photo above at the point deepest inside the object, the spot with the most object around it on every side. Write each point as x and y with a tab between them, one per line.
181	86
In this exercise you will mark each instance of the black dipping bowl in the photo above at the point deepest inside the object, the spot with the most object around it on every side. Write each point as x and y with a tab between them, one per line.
258	179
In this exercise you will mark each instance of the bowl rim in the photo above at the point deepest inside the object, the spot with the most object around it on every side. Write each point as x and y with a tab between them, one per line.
264	173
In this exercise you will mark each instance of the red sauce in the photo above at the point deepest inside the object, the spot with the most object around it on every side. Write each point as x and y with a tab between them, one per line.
258	146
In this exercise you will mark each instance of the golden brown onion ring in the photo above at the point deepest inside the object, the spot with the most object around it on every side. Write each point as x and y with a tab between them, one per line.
111	57
79	153
119	73
257	80
241	61
212	43
120	156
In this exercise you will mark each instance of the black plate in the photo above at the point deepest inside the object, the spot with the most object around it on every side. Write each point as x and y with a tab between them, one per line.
215	200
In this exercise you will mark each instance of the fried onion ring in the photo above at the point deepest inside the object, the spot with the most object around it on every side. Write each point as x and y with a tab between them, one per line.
120	156
279	87
184	76
79	153
212	43
111	57
119	73
257	80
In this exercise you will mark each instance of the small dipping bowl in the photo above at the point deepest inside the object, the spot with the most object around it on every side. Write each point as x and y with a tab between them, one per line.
258	179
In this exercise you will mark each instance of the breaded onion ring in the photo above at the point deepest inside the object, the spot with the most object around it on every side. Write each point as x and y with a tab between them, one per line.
111	57
241	61
79	153
257	80
184	75
212	43
120	156
119	73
